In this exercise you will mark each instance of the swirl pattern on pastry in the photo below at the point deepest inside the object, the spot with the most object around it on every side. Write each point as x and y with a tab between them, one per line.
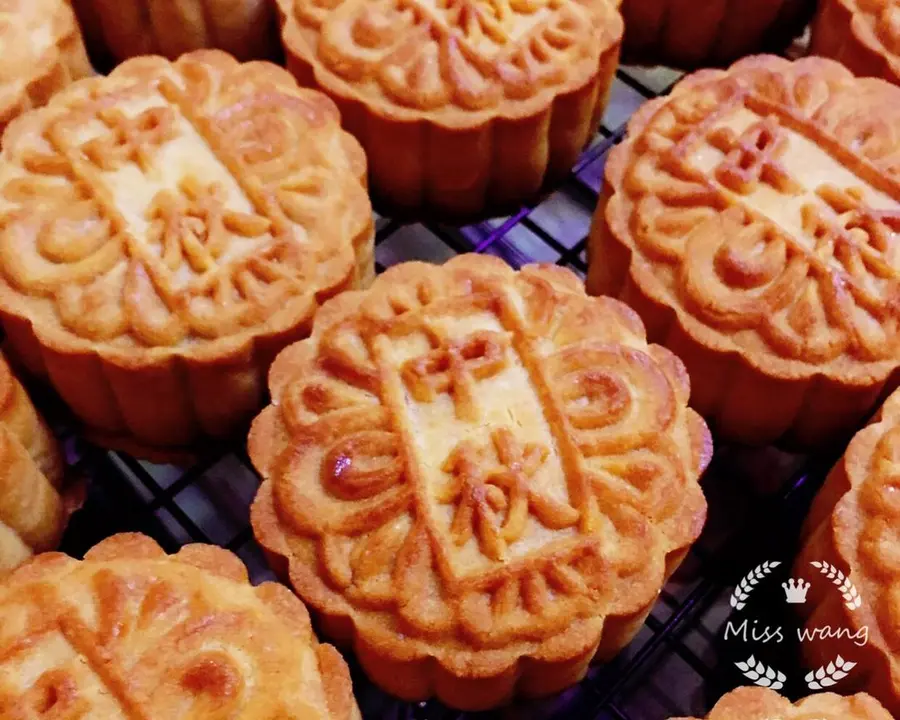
763	203
481	456
154	208
132	632
472	55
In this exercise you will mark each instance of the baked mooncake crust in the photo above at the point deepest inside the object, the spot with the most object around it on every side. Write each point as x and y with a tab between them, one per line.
751	219
465	107
854	526
480	478
131	631
33	506
688	34
122	29
755	703
863	35
165	231
42	53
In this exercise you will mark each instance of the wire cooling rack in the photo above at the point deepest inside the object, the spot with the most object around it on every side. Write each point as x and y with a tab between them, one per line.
676	666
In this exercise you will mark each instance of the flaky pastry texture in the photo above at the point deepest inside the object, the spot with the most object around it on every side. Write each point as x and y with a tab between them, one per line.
855	526
166	230
133	632
479	477
464	107
756	703
34	507
751	219
690	35
42	53
863	35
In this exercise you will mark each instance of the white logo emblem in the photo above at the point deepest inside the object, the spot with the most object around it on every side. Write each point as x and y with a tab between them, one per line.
795	591
750	630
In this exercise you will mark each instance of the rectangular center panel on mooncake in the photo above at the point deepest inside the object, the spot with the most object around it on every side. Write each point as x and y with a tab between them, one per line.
808	167
168	176
505	406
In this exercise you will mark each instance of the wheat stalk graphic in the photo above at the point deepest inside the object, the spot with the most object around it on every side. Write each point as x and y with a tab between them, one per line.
828	675
762	675
844	585
749	582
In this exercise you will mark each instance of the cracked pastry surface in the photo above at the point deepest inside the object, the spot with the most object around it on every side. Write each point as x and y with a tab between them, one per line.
131	632
165	230
752	219
463	106
480	477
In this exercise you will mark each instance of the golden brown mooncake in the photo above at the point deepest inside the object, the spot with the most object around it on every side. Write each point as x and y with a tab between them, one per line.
693	34
33	510
133	632
863	35
122	29
465	107
42	53
854	526
166	230
752	218
756	703
480	478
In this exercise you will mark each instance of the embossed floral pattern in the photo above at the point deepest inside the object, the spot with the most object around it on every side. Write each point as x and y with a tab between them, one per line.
165	231
158	636
234	235
466	53
456	443
759	249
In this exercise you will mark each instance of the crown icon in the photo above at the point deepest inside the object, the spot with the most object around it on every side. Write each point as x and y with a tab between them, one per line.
795	591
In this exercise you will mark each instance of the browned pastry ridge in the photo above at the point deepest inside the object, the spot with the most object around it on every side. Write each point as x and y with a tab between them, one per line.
751	219
855	526
479	478
33	508
692	34
755	703
131	632
246	29
863	35
464	107
166	230
42	53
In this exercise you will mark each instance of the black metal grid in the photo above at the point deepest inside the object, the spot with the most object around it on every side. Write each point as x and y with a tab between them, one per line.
674	667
